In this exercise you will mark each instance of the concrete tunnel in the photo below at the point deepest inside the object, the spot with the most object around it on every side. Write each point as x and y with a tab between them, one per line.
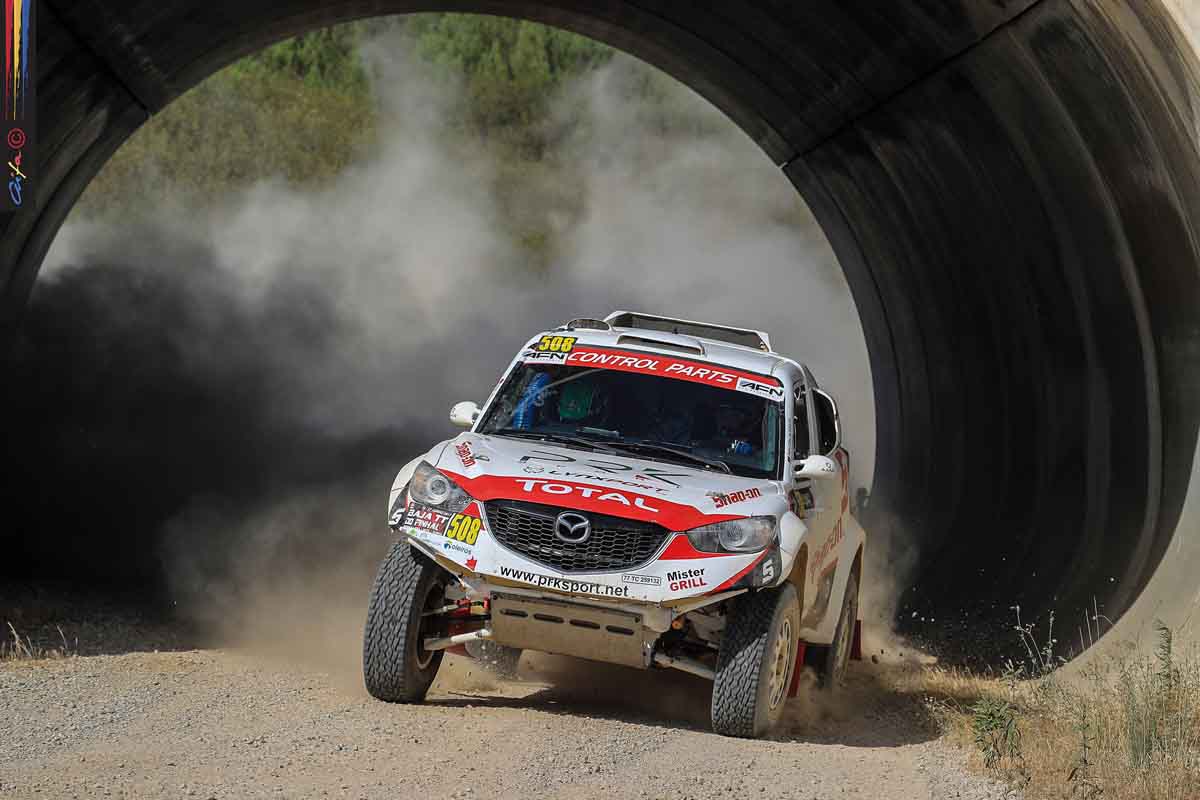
1012	188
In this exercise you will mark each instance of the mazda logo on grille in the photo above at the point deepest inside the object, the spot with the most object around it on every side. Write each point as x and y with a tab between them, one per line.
572	528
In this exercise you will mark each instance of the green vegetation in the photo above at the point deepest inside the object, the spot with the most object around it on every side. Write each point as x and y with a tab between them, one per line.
225	134
325	58
994	728
1125	727
509	70
511	101
303	110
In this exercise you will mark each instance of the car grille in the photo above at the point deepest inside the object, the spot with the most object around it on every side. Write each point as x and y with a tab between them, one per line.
615	542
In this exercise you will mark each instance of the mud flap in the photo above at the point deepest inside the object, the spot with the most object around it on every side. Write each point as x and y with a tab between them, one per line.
804	647
794	689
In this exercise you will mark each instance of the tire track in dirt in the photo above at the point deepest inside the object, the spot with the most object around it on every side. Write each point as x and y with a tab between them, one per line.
232	723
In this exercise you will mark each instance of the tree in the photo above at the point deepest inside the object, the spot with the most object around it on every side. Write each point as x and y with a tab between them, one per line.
326	58
510	70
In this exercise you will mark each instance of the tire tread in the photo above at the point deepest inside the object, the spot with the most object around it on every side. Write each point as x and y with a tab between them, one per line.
386	671
739	663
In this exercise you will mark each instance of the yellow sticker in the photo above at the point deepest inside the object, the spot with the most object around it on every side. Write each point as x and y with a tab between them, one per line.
556	344
463	529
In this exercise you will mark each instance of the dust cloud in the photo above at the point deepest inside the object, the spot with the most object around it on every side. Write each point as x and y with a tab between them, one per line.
220	396
706	227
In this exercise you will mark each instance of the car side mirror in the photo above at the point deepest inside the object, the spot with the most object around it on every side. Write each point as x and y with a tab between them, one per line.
817	467
464	414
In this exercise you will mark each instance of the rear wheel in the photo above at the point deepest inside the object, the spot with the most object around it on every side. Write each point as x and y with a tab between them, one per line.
756	662
396	665
835	659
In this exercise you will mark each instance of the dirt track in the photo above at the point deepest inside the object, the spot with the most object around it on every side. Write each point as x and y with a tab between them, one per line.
232	723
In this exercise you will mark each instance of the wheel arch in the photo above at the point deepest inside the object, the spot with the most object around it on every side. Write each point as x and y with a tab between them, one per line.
856	566
798	576
856	569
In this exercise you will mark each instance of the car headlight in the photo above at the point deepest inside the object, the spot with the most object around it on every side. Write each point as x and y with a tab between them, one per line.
747	535
432	488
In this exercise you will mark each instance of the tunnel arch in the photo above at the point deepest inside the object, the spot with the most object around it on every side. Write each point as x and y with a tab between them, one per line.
1009	186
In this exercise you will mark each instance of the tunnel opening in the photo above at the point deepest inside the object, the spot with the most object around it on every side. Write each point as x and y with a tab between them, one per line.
1010	189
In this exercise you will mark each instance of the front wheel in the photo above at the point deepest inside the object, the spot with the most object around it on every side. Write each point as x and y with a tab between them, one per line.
756	662
396	666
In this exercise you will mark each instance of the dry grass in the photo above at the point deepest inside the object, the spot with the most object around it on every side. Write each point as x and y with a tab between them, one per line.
19	648
59	620
1125	728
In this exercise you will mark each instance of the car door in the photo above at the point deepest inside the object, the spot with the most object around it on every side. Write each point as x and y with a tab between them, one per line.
833	495
828	500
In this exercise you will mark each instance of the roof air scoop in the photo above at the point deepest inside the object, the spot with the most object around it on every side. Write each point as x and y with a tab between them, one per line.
587	323
677	344
741	337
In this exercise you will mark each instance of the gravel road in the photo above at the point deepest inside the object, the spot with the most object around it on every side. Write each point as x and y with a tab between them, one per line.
249	722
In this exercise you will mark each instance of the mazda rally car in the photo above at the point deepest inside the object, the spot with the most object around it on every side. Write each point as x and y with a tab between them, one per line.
639	490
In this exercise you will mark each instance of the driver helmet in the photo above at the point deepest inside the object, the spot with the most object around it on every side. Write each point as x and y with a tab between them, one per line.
737	425
735	421
580	400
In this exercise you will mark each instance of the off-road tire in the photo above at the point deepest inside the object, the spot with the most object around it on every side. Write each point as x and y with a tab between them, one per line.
831	669
742	689
499	659
396	667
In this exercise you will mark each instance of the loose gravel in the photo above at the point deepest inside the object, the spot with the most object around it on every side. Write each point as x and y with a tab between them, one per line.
247	723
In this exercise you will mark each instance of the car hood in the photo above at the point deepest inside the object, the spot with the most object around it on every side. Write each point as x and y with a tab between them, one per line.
677	496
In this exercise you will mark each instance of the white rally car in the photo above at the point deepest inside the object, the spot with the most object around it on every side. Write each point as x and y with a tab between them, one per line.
643	491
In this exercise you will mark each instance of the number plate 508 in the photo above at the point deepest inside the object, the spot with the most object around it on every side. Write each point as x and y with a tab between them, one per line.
463	528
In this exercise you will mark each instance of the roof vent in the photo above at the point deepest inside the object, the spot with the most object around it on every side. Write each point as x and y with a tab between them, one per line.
587	323
659	344
701	330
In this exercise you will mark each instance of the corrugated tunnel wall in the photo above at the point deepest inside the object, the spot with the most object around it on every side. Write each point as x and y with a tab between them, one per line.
1011	187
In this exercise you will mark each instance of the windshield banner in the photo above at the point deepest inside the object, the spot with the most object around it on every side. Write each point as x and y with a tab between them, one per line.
666	366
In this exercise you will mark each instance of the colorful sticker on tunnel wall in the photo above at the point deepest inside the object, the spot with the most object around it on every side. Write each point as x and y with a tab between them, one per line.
19	104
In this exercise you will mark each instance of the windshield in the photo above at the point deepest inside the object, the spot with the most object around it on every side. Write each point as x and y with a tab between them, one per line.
650	416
